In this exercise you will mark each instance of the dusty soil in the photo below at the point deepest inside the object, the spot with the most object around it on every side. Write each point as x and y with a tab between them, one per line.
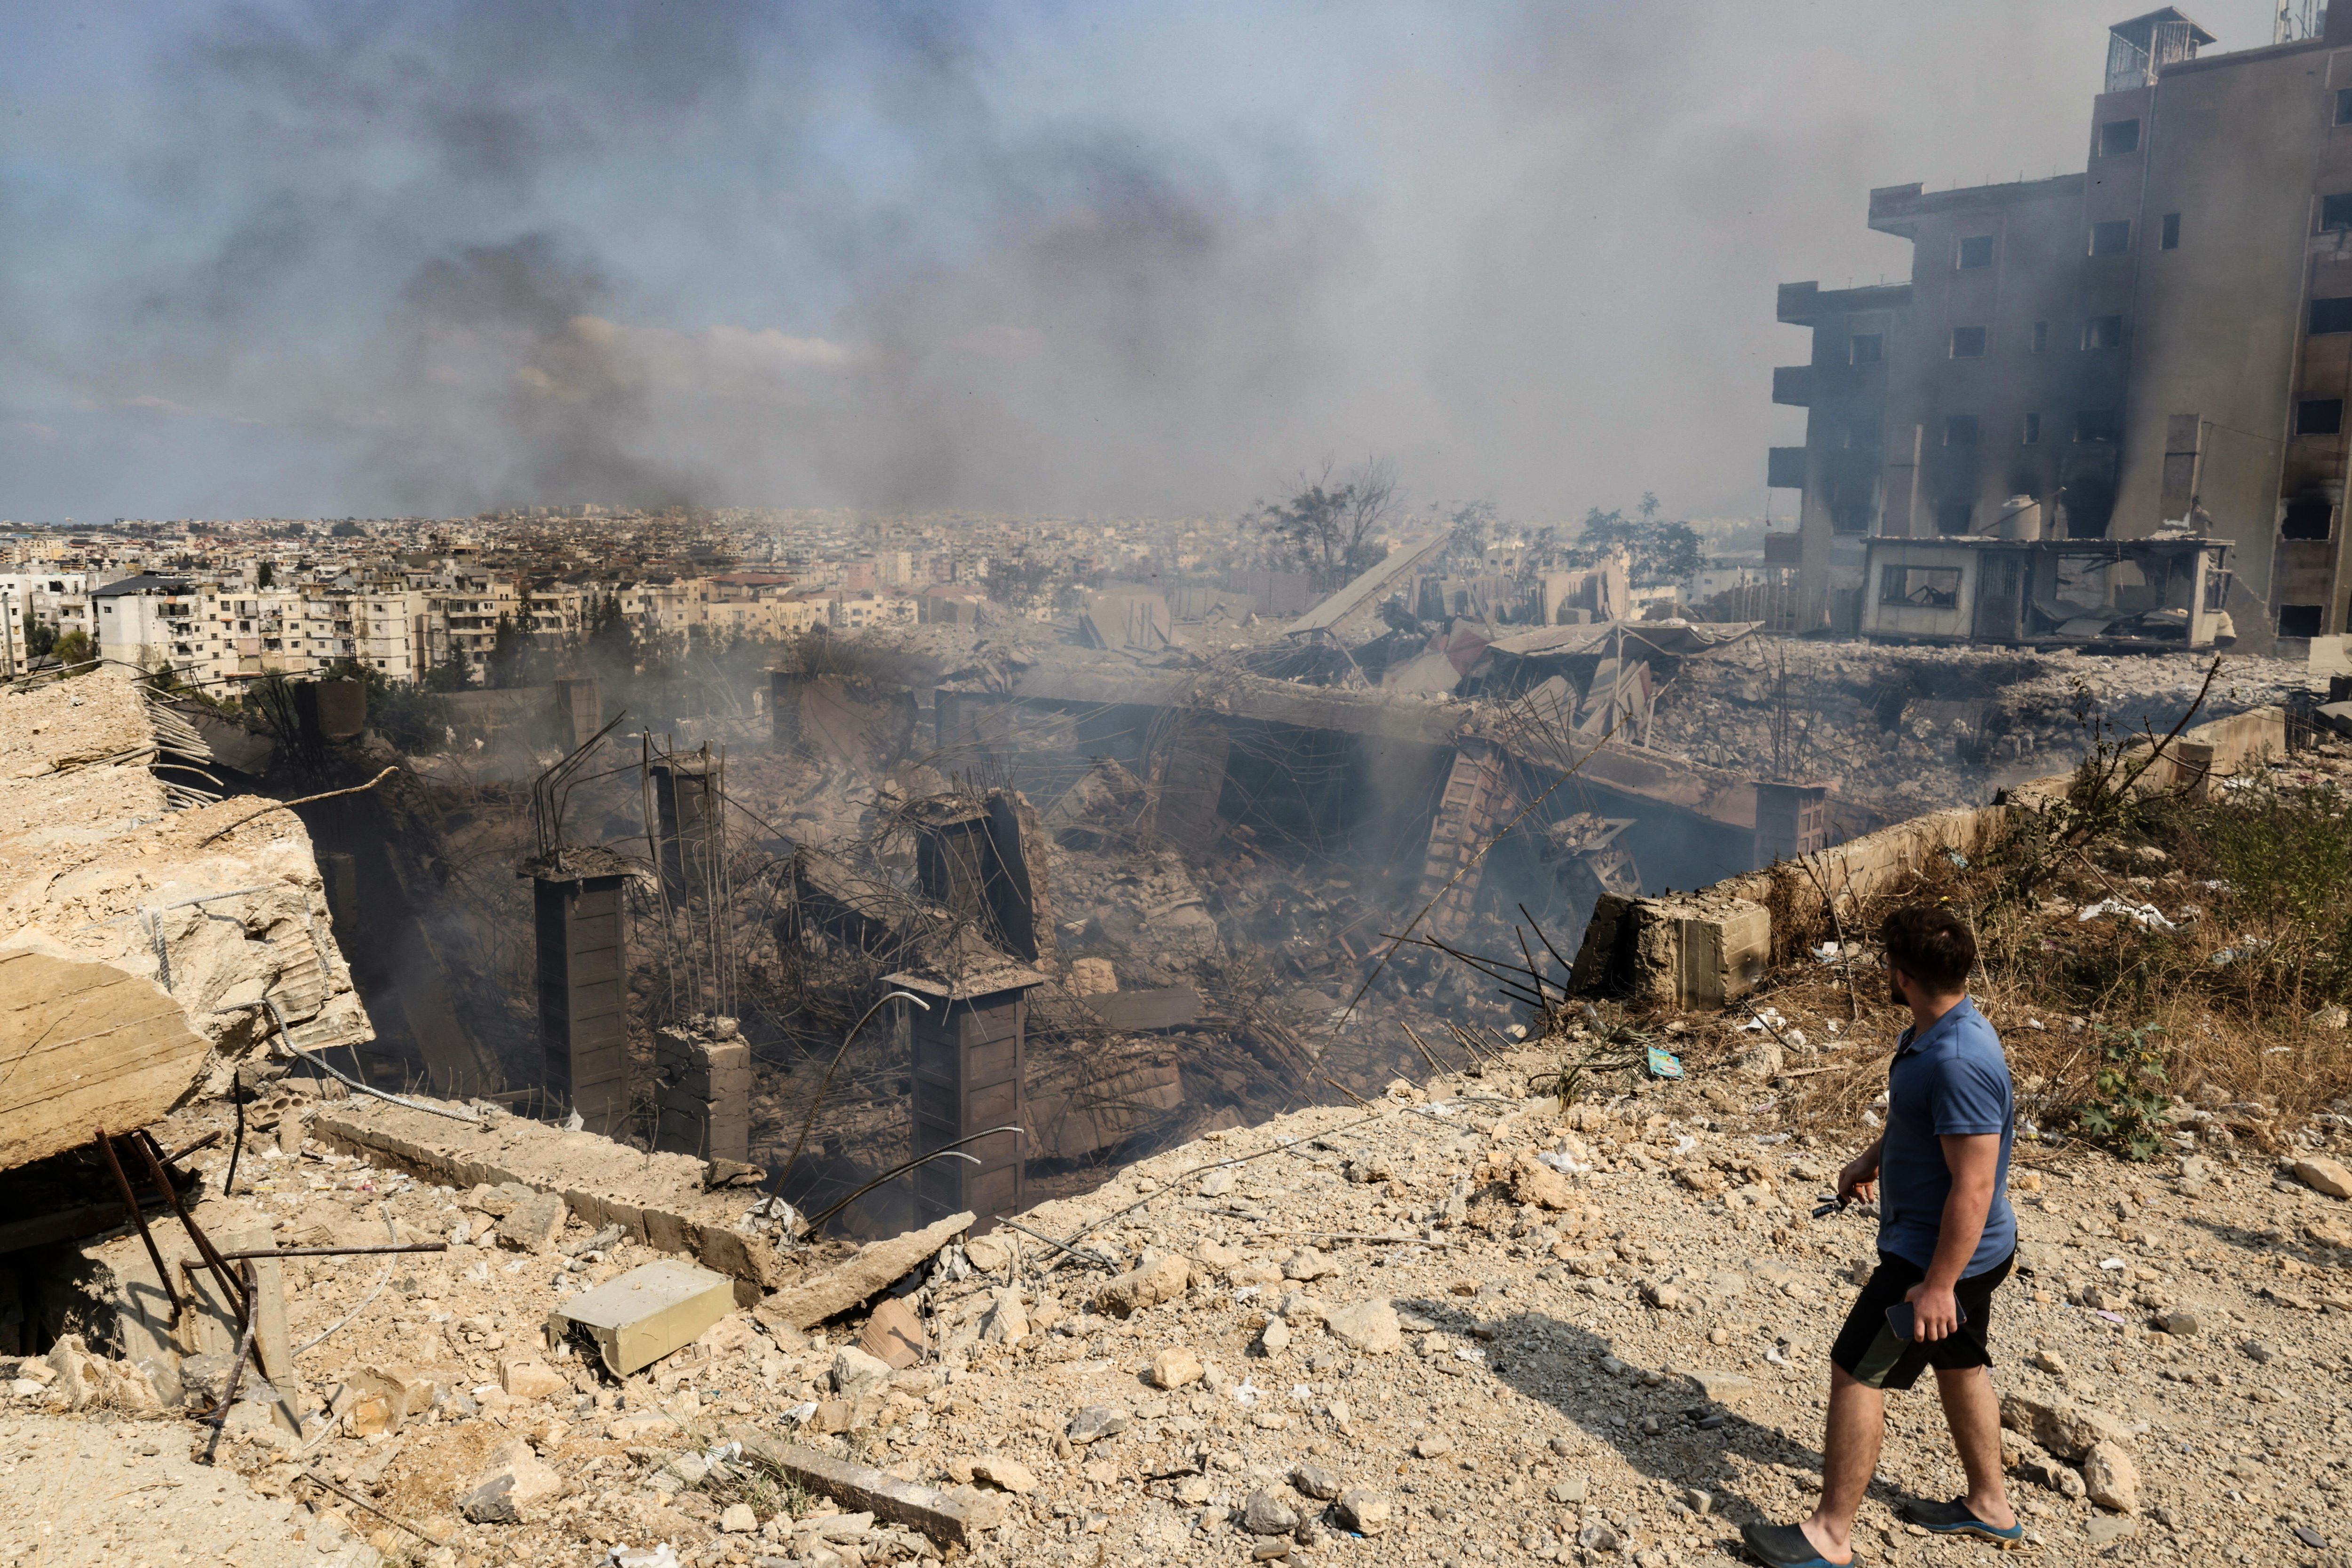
1642	1365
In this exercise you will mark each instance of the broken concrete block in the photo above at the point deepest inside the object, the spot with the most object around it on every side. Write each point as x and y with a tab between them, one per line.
528	1377
1532	1181
511	1487
1006	1321
947	1520
856	1374
1093	977
2323	1175
1158	1280
2110	1479
648	1312
534	1224
387	1395
875	1268
1370	1327
2066	1429
893	1334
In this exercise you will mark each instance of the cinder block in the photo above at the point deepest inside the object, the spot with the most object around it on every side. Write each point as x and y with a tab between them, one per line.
647	1313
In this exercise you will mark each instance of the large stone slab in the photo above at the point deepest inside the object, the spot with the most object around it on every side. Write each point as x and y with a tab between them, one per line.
875	1268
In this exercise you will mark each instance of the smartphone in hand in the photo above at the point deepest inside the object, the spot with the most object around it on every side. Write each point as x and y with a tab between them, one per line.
1901	1319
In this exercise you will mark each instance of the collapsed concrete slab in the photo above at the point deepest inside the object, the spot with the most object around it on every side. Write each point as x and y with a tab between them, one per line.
659	1199
142	915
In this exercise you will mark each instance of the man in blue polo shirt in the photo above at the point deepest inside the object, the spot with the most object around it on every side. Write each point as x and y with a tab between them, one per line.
1946	1238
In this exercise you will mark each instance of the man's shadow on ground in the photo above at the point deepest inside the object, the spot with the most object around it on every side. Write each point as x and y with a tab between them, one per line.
1544	1358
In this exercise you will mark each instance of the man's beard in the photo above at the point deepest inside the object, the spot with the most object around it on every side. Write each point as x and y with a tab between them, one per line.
1894	989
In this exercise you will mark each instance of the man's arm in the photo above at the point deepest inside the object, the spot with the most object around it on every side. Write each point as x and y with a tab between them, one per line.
1858	1181
1974	1160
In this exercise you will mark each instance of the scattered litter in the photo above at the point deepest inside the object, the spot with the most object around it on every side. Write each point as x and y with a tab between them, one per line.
1472	1354
799	1414
1763	1019
1684	1143
659	1556
2111	1317
1775	1357
2145	914
2034	1023
1246	1393
1870	1119
2110	1263
1301	1393
1561	1163
1828	952
1665	1064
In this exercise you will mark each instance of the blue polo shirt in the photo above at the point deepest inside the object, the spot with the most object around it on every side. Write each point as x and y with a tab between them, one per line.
1951	1080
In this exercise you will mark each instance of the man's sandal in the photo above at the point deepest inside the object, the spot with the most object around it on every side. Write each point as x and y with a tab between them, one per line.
1785	1546
1953	1518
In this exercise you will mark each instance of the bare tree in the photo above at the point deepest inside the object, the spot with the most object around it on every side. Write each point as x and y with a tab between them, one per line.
1327	523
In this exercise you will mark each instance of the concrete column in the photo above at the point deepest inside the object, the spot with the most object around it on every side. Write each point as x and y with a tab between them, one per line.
702	1090
785	691
1791	819
969	1072
583	998
579	711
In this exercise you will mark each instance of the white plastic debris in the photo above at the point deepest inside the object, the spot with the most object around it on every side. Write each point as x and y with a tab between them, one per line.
2111	1263
2145	914
1561	1163
1246	1393
799	1414
659	1556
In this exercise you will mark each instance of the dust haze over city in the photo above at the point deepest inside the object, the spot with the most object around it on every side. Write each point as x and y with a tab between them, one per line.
417	259
792	786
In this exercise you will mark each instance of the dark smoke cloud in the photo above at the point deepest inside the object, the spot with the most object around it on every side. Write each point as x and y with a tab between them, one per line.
435	256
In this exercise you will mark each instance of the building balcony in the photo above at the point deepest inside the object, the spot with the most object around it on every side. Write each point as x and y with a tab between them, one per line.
1793	385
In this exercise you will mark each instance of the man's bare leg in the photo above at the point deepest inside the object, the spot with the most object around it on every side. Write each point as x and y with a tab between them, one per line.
1974	1416
1850	1442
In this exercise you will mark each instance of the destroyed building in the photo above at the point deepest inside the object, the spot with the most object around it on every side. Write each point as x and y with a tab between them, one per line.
2153	346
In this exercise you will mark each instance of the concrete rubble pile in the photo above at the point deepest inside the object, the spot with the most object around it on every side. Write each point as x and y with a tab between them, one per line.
1467	1320
1916	730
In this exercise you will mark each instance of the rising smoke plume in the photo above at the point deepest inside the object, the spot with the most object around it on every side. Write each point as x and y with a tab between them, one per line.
433	256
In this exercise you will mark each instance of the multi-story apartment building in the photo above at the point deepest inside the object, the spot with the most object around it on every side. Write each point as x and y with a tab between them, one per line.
2161	343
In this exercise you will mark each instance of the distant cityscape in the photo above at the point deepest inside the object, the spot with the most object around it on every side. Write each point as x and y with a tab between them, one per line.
222	604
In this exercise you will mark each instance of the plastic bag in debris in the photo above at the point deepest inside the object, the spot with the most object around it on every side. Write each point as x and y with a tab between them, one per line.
1769	1017
659	1556
1828	952
2145	914
1665	1064
1561	1163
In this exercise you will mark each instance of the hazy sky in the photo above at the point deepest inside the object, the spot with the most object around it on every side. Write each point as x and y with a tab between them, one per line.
366	257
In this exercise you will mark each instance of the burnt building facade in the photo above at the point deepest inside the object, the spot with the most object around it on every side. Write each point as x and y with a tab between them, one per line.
2158	344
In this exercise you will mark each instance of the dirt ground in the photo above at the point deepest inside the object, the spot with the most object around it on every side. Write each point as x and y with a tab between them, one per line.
1613	1356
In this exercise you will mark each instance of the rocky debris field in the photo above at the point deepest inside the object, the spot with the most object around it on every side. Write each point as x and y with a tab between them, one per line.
1916	729
1461	1325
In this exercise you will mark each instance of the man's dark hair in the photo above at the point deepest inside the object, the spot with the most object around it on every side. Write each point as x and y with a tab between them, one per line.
1931	944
